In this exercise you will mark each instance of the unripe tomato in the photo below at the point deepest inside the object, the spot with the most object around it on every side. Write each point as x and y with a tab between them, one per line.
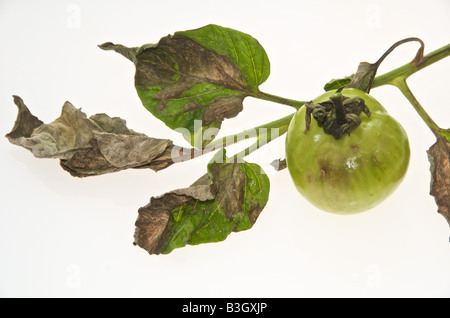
351	174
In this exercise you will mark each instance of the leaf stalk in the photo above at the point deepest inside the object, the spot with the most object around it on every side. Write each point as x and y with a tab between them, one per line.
400	83
280	100
412	67
398	77
264	134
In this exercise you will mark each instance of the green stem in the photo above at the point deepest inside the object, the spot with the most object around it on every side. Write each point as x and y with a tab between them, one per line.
280	100
400	83
280	124
266	134
408	69
263	133
398	78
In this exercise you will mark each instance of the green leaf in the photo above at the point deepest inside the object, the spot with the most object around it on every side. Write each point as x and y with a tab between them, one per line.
229	198
337	83
193	80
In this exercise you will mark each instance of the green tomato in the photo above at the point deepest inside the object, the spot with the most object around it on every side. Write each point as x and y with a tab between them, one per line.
354	173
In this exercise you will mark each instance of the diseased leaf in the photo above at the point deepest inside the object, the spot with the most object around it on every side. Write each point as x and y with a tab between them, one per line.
243	50
337	83
439	157
364	76
89	146
229	198
362	79
193	80
25	122
279	164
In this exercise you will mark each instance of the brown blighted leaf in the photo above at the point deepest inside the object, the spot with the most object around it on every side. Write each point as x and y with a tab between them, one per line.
279	164
364	76
25	122
89	146
229	198
194	79
153	218
439	157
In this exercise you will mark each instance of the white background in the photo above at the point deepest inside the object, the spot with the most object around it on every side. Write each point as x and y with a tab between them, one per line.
67	237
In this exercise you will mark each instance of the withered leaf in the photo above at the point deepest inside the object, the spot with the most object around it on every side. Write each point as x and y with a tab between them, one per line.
362	79
229	198
364	76
439	157
25	122
89	146
194	79
279	164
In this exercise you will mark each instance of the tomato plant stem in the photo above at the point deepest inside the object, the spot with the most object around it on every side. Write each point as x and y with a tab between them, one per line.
266	133
339	109
400	83
412	67
280	100
279	124
263	134
396	77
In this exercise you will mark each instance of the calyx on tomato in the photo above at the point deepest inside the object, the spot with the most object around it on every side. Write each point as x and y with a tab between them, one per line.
355	172
338	115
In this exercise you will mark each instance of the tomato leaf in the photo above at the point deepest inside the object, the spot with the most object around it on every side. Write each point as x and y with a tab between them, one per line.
337	83
228	198
89	146
439	157
364	76
194	79
362	79
279	164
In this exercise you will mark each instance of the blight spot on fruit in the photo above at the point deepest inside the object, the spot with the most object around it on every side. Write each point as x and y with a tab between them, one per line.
374	159
354	148
323	173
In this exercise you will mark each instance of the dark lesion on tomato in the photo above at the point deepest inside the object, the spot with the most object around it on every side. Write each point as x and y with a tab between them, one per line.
323	173
324	169
354	148
374	160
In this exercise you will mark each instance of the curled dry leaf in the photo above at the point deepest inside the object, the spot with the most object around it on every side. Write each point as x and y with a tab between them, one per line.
439	157
89	146
229	198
